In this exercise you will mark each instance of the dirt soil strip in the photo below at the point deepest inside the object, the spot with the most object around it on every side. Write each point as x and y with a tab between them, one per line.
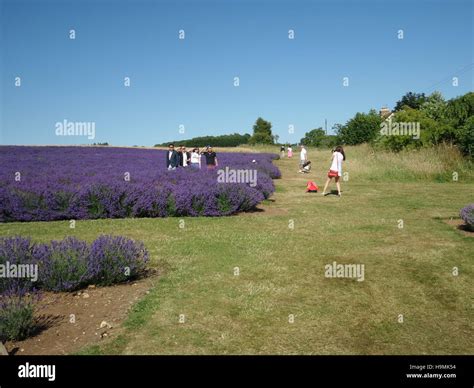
461	226
69	321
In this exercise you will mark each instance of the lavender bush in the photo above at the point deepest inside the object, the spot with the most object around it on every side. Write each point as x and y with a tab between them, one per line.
17	306
71	264
467	214
63	265
15	251
116	259
54	183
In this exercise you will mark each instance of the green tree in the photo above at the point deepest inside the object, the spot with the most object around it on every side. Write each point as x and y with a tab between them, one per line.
434	106
459	109
411	100
314	138
458	117
363	127
465	137
262	132
430	131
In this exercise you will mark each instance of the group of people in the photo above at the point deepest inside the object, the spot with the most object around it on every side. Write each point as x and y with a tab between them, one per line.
181	158
335	171
290	151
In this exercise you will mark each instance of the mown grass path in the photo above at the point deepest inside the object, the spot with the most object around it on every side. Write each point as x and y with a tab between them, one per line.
408	271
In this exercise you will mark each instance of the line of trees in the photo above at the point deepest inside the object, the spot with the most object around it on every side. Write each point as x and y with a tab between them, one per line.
232	140
262	134
317	138
440	121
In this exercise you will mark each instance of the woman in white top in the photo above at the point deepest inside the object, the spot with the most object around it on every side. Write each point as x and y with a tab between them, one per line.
196	159
336	169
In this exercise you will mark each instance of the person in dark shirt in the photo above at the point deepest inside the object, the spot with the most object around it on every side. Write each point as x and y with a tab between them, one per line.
179	151
282	151
185	158
172	159
211	158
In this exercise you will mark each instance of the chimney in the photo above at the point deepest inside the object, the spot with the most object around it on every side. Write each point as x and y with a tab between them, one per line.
384	112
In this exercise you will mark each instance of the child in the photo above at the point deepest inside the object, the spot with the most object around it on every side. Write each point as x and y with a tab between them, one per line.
290	152
336	169
306	167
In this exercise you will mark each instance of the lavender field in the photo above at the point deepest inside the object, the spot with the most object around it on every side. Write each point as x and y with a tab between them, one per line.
57	183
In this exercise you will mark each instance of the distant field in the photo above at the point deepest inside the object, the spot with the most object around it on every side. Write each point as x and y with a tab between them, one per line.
280	302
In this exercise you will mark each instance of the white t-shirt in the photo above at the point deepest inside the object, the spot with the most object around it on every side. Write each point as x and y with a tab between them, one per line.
195	158
336	164
303	154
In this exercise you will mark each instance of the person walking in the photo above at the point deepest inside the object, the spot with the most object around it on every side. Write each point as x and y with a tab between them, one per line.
303	156
335	171
172	159
282	151
290	152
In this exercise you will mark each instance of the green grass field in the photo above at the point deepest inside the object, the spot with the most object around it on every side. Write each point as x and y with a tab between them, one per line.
408	270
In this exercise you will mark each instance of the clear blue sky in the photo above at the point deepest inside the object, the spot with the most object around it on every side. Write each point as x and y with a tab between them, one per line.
190	81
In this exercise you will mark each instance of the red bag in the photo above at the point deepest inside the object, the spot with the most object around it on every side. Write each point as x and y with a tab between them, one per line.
333	173
311	187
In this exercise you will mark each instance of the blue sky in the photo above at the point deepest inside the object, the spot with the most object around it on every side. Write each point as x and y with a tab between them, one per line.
190	82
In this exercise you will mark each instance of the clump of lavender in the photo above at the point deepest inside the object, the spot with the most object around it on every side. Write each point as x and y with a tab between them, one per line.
467	214
71	264
63	265
17	306
17	294
16	251
115	259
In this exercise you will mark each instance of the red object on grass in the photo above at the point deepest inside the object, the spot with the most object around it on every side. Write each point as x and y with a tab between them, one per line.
311	187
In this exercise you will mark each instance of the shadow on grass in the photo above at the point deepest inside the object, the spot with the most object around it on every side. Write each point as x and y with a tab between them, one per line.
42	323
466	228
333	192
459	225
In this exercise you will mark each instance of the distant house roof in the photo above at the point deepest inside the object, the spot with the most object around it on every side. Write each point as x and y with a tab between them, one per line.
385	113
